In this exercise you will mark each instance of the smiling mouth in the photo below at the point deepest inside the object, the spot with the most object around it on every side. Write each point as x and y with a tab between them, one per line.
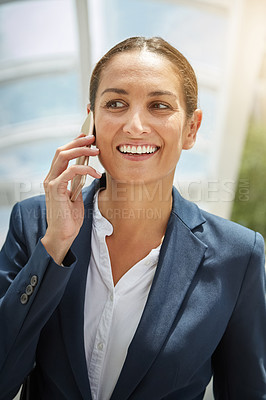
147	149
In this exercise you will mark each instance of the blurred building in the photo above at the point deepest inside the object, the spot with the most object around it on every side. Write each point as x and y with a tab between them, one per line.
49	47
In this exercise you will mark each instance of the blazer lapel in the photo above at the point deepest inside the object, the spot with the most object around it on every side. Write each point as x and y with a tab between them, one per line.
180	257
72	305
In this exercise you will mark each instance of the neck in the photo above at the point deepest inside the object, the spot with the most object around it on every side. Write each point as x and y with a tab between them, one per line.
137	205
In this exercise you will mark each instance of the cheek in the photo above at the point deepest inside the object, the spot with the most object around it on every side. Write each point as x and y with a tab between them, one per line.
101	131
105	127
174	132
174	142
104	143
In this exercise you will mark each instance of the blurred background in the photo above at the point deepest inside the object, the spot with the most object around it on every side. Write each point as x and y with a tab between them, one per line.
49	47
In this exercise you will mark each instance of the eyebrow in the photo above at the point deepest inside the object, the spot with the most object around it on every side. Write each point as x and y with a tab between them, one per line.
114	90
151	94
161	93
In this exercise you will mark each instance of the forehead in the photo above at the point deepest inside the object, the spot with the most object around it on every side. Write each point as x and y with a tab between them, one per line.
133	66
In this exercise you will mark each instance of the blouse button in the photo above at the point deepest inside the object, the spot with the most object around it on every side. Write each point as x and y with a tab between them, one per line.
100	346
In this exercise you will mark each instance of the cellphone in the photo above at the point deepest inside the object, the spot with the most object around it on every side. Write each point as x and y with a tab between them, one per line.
79	180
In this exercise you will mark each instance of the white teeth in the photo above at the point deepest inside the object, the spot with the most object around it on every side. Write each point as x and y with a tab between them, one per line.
137	149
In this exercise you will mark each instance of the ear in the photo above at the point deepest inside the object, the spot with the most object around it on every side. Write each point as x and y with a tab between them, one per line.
192	128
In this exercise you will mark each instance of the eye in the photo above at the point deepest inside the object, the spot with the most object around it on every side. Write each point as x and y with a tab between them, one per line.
160	106
115	104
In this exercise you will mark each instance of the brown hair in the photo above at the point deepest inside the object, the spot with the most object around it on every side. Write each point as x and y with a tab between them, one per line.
159	46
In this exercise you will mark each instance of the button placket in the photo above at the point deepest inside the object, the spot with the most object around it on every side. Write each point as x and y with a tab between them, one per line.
100	344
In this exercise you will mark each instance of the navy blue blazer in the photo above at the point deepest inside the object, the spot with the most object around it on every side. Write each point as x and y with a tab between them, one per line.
205	314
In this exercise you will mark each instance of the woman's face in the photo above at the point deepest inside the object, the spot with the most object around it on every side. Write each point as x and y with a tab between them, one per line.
140	118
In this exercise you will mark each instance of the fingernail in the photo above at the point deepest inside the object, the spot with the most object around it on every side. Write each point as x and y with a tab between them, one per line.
90	136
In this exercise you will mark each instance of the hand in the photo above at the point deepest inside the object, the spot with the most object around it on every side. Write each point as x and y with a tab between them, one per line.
65	217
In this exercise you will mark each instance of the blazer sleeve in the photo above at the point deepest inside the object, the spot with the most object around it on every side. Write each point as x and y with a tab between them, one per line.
239	360
31	287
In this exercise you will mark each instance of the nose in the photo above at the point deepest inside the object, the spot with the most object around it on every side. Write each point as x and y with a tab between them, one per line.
136	123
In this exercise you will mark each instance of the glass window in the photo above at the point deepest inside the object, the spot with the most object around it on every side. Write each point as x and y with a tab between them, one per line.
30	29
187	27
40	93
38	97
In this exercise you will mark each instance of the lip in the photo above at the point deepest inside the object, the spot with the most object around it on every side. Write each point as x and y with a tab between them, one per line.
137	157
137	143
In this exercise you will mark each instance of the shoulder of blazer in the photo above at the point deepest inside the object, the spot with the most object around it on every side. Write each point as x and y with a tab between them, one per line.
31	211
216	232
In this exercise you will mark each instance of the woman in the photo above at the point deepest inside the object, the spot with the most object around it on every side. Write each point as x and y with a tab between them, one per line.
131	291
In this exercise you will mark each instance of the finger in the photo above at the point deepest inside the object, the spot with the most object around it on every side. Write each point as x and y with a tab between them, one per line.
80	141
58	188
74	170
62	161
84	135
66	153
